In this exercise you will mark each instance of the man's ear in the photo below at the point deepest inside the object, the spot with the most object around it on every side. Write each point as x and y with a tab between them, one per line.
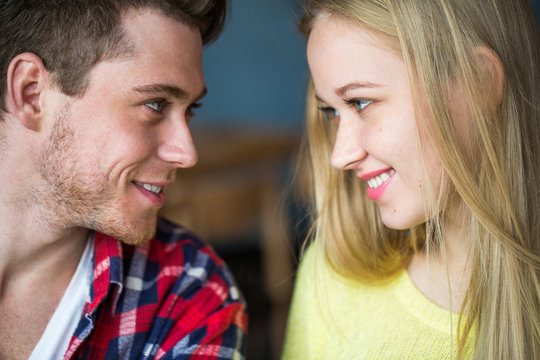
491	62
26	79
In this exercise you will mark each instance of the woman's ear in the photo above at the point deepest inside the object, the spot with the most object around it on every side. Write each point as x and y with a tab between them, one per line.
26	79
490	61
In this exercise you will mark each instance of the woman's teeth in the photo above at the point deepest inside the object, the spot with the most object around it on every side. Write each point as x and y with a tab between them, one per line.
378	180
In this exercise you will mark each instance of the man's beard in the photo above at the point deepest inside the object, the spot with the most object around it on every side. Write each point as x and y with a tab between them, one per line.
75	193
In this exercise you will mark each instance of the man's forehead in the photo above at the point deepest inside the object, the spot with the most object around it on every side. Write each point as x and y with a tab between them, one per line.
130	17
158	57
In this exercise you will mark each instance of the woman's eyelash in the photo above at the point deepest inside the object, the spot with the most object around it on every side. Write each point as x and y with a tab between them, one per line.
328	113
358	104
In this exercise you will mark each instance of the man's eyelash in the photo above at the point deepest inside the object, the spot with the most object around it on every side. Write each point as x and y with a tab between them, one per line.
160	105
194	106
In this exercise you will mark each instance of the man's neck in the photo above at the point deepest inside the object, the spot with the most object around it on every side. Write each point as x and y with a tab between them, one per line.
37	262
33	250
34	241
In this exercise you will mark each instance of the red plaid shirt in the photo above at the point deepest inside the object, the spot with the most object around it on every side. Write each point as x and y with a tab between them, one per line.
171	298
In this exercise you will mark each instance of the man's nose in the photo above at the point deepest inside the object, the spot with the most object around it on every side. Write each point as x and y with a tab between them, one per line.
348	150
177	146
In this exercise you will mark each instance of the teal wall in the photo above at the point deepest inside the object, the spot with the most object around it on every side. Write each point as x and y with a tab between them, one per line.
536	8
256	72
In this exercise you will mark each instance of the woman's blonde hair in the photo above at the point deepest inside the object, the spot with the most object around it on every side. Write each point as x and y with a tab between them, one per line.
439	41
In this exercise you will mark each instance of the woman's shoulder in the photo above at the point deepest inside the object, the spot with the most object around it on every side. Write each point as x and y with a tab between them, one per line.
337	316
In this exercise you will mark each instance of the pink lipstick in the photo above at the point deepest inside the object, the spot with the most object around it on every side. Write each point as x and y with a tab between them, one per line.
377	181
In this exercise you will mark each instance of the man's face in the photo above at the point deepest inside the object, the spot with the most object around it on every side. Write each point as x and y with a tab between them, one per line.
111	152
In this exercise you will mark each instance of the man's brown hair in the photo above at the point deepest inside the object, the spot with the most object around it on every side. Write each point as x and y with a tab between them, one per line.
70	36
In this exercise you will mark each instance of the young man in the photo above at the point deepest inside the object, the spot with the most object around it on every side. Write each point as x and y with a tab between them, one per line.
96	98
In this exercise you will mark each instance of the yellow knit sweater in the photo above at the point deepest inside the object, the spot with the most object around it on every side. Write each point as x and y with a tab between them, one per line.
337	318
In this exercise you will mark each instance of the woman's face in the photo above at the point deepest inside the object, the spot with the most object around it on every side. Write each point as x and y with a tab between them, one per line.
363	85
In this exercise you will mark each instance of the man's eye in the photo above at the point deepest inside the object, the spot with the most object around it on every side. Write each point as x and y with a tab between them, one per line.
358	104
156	105
329	113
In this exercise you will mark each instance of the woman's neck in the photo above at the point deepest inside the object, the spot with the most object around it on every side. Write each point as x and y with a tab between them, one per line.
443	274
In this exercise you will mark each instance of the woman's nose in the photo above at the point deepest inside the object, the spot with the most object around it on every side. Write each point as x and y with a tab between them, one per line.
348	151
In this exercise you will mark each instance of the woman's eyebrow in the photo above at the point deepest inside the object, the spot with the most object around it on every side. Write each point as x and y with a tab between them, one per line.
355	85
351	86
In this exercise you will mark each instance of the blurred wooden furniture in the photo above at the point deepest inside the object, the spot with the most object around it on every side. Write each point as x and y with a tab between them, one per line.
236	190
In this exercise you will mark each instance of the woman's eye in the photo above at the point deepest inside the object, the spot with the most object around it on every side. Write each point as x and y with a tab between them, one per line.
329	113
358	104
156	105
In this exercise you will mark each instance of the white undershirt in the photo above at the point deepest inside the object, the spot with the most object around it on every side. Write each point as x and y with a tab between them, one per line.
55	340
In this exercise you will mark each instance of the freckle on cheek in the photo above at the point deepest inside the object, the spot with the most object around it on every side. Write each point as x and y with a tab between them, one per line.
395	211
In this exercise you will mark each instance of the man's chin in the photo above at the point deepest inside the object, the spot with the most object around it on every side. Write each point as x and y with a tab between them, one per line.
138	238
131	233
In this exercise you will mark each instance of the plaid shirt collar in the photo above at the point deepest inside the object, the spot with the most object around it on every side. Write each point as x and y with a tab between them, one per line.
107	271
183	325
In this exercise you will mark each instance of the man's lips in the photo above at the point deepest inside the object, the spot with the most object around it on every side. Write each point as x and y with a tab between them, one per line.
156	189
153	191
154	186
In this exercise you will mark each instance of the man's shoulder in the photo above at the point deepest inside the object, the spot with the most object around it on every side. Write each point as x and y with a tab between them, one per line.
169	233
172	291
175	243
177	255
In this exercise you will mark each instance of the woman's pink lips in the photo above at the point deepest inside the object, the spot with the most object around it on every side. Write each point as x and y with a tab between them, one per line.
376	193
372	174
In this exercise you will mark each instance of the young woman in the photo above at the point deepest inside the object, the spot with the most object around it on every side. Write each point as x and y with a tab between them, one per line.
423	127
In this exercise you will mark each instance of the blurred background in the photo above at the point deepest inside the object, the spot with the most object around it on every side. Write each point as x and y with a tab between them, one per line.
239	197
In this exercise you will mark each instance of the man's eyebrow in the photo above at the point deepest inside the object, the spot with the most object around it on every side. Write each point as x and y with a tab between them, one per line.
169	90
355	85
